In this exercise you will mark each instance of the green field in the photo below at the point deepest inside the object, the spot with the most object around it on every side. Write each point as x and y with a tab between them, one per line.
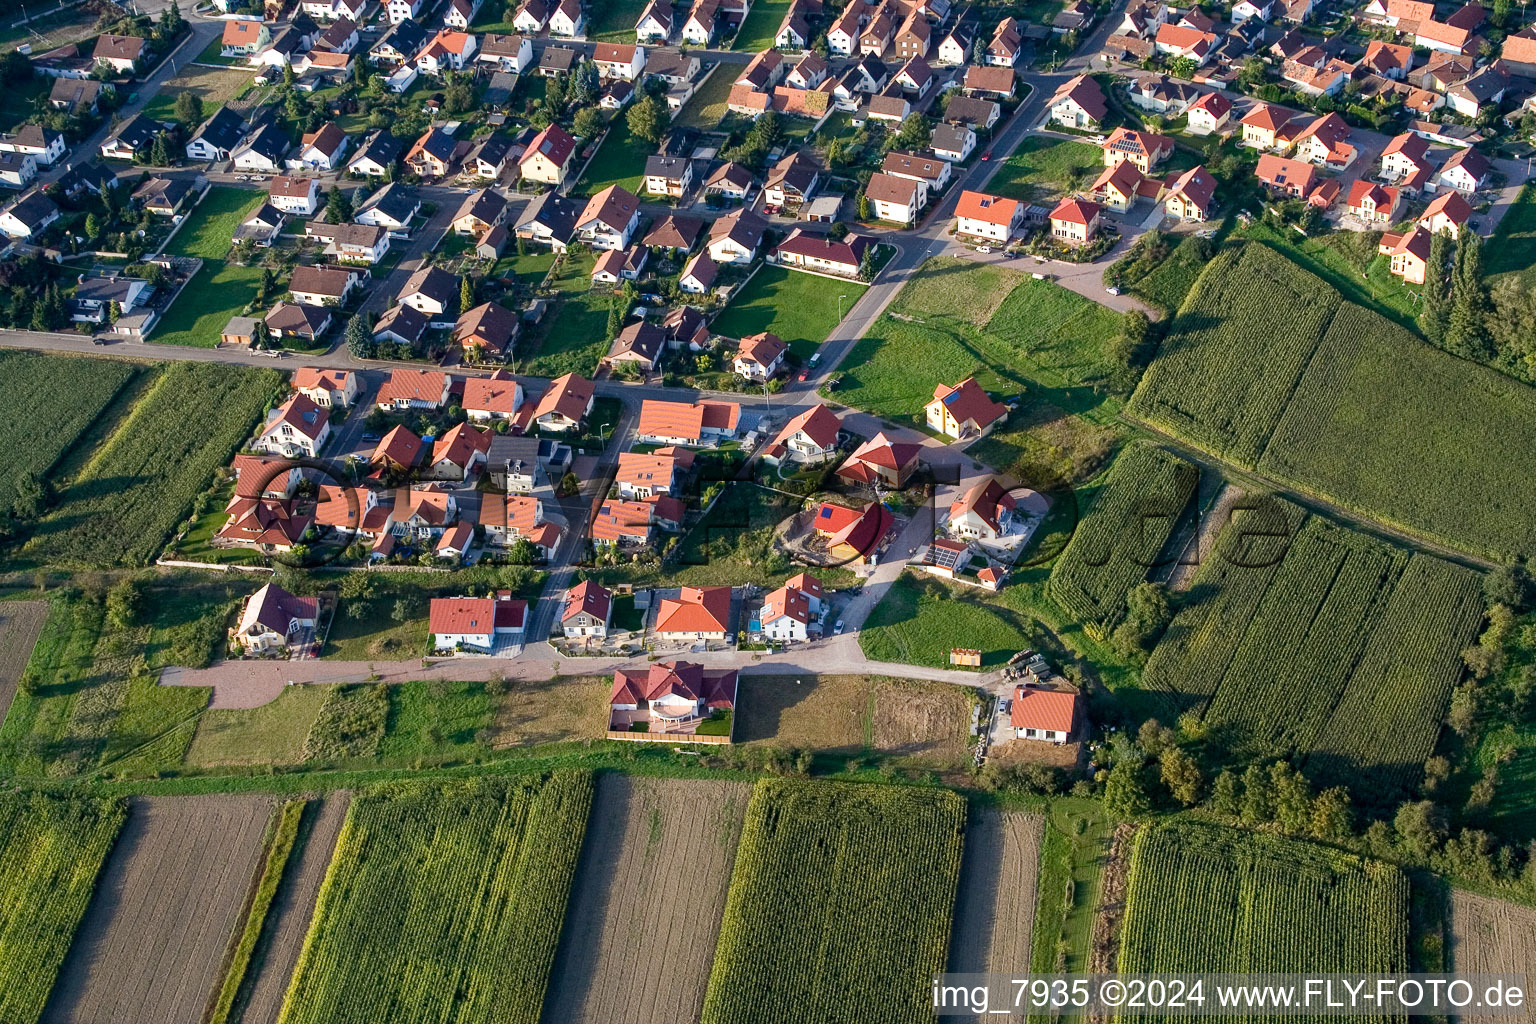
209	228
1207	899
820	914
1014	334
1512	250
443	903
1375	632
219	291
573	336
707	107
1337	257
128	499
1123	535
1044	166
620	160
49	402
800	308
615	20
52	849
921	618
762	25
1263	367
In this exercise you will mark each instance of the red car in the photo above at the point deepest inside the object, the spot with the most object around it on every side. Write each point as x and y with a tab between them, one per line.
987	155
805	375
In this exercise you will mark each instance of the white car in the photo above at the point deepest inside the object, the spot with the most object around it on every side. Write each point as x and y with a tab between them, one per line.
837	630
984	248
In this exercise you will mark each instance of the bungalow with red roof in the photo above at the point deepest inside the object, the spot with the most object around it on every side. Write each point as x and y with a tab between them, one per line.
1286	177
497	397
695	424
964	412
853	534
668	697
983	512
1075	221
477	625
1047	715
805	251
588	610
623	524
882	460
698	613
1184	41
298	427
413	389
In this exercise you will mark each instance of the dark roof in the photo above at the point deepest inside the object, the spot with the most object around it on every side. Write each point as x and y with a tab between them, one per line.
434	283
137	131
269	141
970	109
223	130
492	149
381	146
671	167
87	175
557	58
394	200
407	37
555	212
439	144
32	209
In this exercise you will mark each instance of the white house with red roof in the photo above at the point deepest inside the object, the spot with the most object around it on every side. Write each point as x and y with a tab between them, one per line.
459	452
790	613
1075	221
548	156
760	357
983	512
565	405
821	253
497	397
1079	103
669	696
477	625
979	215
1448	212
609	219
298	427
1210	113
413	389
326	388
1373	203
272	618
588	610
694	424
964	412
882	460
1050	716
698	613
809	438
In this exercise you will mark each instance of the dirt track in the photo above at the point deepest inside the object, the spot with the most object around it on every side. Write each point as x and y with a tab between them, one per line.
288	920
1491	936
20	624
649	893
999	875
153	940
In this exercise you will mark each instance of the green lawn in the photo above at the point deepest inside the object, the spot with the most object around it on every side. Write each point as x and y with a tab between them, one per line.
1014	334
212	55
528	270
208	230
620	160
1043	167
435	719
197	317
1512	250
271	734
921	618
390	620
706	108
762	25
1374	288
615	20
573	336
800	308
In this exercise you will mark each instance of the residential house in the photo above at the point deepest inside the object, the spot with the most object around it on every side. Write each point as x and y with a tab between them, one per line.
609	219
398	11
297	320
1287	177
760	357
322	149
1484	88
997	83
262	226
515	464
459	453
413	389
397	451
674	234
1408	253
695	424
431	290
1263	125
735	237
326	388
488	331
699	613
512	53
984	512
77	96
1050	716
321	286
163	197
668	175
788	614
1183	41
481	625
1079	103
700	27
964	412
294	195
480	211
623	524
461	13
28	216
548	156
1209	114
882	460
532	16
1373	203
392	208
730	181
1142	149
568	19
399	44
953	143
431	156
17	170
806	251
448	50
1007	44
955	49
623	61
565	405
131	138
979	215
402	325
980	114
669	695
1449	212
655	24
1119	186
1465	170
377	156
350	243
497	397
217	137
1325	142
588	610
640	344
549	220
914	38
699	274
792	180
120	53
44	145
1191	196
853	535
1405	162
1389	60
808	439
896	200
296	428
1075	221
272	618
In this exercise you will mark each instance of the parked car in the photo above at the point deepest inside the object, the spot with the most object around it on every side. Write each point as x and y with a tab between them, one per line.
838	629
984	248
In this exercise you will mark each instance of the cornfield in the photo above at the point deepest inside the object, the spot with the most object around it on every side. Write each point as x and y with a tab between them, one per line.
1123	535
1202	898
52	850
840	905
444	903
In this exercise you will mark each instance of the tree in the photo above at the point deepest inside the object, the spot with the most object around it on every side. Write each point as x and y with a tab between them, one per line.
867	264
14	67
189	108
338	206
1181	775
32	495
1257	805
92	227
359	337
1509	585
978	51
1182	67
1292	796
1466	334
1147	614
1333	816
267	287
1437	298
1420	827
160	153
569	485
458	94
865	209
261	336
1125	791
648	120
916	132
114	311
466	293
124	601
615	320
1227	794
587	122
554	94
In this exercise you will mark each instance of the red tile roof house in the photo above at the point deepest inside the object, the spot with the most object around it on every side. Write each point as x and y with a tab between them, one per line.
1372	203
698	613
497	397
1408	253
588	610
1075	221
297	427
565	405
413	389
509	518
476	625
984	512
695	425
623	524
819	253
964	412
760	357
1142	149
326	387
669	697
272	617
791	612
267	524
400	449
1449	212
979	215
459	452
882	459
808	439
853	535
1047	715
642	475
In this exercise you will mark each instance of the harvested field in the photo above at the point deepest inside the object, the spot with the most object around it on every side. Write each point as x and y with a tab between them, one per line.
1491	937
153	941
213	86
20	624
924	721
637	952
552	711
288	920
999	875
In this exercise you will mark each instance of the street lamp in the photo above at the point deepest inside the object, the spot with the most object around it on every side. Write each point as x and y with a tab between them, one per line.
840	299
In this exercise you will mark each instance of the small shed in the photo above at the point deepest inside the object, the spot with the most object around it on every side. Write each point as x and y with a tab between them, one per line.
966	656
239	331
